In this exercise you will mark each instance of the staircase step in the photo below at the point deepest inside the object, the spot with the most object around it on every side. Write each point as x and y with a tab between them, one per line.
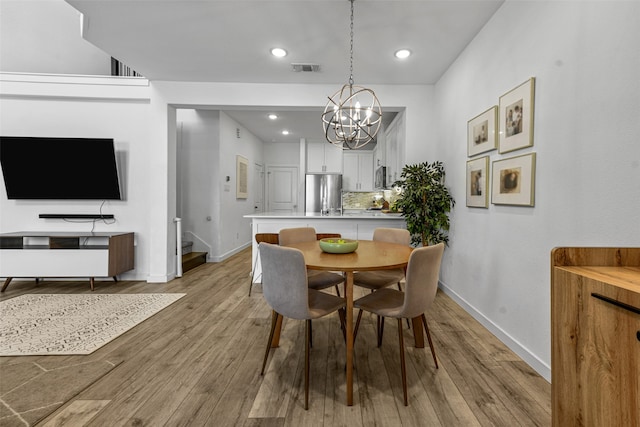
192	260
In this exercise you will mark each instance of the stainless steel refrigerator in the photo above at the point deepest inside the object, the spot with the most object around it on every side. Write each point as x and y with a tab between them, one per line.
323	194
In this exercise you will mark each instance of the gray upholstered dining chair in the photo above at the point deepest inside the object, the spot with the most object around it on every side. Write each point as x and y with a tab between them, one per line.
422	275
379	279
318	280
284	286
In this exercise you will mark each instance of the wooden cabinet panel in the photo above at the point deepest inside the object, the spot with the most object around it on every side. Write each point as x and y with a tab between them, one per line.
595	314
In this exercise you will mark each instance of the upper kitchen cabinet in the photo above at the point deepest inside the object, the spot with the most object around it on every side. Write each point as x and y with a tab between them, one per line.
358	171
323	157
379	152
394	148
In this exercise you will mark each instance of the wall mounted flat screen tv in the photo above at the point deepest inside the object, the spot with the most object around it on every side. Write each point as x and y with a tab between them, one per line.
59	168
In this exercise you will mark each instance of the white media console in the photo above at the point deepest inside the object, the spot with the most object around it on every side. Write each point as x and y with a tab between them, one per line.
65	254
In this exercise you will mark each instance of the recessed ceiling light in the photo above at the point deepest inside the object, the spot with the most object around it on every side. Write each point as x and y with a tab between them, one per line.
285	132
278	52
402	53
272	116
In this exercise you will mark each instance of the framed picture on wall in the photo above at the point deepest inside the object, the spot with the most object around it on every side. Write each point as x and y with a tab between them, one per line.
477	179
242	177
516	117
513	180
482	135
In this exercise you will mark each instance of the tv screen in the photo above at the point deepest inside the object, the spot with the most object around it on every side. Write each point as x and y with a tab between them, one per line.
59	168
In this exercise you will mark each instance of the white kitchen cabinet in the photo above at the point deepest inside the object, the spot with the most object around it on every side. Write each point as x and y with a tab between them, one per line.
323	157
358	171
394	148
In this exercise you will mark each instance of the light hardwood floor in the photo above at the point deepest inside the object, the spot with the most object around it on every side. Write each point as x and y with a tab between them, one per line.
197	363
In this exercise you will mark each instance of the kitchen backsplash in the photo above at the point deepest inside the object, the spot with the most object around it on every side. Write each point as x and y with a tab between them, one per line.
367	199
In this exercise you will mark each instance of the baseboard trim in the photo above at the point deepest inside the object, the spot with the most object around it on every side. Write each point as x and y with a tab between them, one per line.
531	359
228	254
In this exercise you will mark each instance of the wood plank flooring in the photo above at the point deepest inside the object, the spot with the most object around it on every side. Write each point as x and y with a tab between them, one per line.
197	363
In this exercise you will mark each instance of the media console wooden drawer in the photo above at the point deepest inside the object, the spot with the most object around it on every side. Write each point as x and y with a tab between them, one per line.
62	254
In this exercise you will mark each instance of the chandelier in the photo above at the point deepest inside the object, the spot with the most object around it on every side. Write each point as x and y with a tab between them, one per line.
352	117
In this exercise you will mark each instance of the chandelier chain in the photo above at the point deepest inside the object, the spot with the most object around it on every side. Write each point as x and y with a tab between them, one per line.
351	50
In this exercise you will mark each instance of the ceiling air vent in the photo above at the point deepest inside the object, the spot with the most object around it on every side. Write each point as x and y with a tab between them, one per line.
307	68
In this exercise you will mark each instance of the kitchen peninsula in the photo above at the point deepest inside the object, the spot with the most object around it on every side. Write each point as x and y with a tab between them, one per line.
353	225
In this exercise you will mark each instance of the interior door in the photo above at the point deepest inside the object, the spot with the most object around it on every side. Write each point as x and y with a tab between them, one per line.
282	184
258	185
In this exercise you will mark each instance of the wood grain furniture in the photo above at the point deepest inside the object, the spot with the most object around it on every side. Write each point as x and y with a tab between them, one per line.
317	280
357	227
370	255
65	254
595	341
375	280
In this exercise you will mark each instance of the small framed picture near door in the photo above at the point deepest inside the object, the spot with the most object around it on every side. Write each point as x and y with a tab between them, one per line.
477	179
481	132
242	177
516	117
513	180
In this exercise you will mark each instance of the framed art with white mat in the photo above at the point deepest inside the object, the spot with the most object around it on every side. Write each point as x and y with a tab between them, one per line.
482	135
516	117
513	180
477	179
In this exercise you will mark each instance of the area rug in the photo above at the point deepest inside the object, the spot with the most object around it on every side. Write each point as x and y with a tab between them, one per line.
67	324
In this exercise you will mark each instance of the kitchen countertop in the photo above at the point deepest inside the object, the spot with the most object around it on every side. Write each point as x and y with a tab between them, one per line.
363	215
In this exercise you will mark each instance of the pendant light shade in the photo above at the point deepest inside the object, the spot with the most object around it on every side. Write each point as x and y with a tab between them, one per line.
353	115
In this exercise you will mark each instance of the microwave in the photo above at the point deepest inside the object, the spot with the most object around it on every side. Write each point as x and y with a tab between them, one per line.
381	178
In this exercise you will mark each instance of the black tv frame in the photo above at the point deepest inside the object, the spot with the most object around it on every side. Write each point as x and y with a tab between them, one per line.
58	168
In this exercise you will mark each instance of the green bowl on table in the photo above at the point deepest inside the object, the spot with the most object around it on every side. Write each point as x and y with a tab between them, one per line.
338	245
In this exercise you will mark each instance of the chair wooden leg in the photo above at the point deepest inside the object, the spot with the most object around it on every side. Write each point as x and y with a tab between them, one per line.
337	290
355	330
380	330
310	335
402	362
306	363
274	319
426	329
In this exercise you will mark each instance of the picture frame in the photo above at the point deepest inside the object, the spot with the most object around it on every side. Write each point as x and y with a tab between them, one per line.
242	177
477	179
482	135
516	109
513	180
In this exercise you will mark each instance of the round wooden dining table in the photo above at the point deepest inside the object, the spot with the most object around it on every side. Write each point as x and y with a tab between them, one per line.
370	255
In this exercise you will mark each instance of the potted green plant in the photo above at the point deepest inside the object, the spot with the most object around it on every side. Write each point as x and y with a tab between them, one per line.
425	202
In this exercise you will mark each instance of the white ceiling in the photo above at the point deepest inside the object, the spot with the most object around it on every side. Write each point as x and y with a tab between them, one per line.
230	40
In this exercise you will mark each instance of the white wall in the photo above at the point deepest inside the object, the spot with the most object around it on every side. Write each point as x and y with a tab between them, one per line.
198	178
44	37
56	106
212	216
585	57
235	230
